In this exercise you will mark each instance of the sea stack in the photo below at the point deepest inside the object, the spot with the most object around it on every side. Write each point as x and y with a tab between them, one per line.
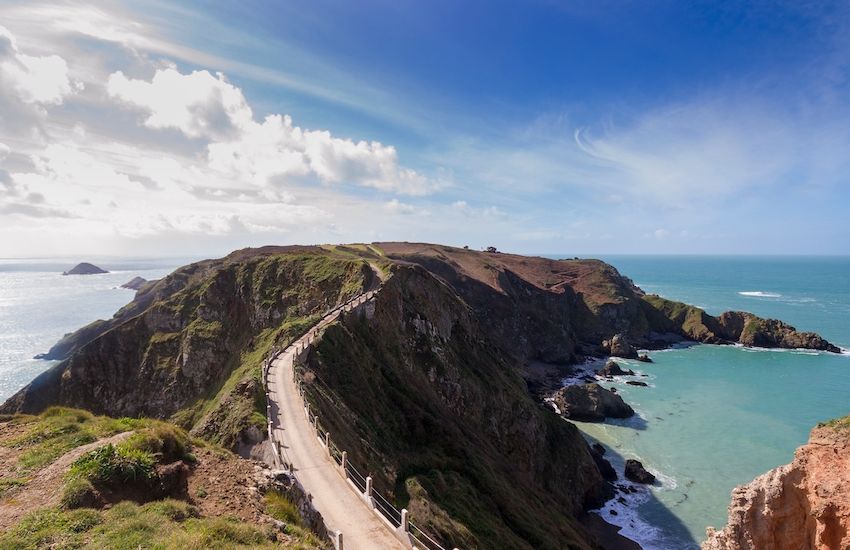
85	268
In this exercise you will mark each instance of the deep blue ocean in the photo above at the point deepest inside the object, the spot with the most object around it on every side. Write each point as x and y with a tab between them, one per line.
713	416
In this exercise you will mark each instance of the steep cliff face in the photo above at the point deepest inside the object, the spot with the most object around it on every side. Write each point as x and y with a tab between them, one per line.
423	401
800	506
426	385
560	310
189	348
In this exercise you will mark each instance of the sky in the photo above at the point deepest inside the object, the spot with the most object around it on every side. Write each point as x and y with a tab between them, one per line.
154	128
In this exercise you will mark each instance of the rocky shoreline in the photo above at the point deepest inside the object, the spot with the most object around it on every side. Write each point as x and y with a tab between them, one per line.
804	504
462	326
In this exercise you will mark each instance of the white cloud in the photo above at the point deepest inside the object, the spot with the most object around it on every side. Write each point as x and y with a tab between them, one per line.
34	79
203	106
397	207
198	104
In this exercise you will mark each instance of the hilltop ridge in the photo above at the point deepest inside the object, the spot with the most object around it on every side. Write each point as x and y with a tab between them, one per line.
431	390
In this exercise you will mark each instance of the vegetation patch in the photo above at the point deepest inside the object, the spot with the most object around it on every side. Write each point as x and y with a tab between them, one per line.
58	430
167	524
280	507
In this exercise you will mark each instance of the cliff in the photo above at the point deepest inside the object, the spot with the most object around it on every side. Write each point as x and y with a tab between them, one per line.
442	420
427	390
802	505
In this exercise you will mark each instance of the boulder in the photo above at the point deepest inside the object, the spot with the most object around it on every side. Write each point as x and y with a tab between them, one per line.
84	268
635	471
636	383
619	346
590	402
611	368
644	358
598	447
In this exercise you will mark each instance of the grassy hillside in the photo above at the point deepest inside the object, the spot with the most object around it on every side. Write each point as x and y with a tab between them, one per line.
70	479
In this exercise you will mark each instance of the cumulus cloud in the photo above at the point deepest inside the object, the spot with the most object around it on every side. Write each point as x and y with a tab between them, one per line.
201	105
34	79
198	104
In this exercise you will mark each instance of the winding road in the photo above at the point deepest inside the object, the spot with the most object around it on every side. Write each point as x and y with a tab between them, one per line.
341	507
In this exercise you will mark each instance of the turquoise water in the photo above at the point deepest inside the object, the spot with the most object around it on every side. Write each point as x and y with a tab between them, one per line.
38	306
713	417
718	416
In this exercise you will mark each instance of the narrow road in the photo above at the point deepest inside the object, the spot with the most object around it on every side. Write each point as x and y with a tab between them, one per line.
333	497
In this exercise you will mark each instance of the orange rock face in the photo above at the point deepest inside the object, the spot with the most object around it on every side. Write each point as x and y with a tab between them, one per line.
804	505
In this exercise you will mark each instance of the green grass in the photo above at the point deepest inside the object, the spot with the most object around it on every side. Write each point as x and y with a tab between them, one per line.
281	508
166	525
837	423
58	430
114	464
132	461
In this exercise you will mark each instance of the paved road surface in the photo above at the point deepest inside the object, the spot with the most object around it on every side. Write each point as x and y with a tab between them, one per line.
342	509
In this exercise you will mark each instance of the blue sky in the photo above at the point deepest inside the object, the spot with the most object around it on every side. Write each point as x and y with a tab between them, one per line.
536	126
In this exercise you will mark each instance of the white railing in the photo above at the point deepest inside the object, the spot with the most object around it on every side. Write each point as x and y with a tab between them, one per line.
397	520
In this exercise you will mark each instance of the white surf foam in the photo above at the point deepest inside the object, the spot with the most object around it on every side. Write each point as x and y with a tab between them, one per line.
760	294
631	525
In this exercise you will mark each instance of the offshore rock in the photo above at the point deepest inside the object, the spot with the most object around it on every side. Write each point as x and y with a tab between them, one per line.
591	403
635	471
612	368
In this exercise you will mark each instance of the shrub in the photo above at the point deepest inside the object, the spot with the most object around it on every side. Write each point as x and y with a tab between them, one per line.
167	443
111	464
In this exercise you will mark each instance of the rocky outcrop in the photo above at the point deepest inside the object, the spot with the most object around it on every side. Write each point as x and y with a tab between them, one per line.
644	358
612	368
634	471
619	346
802	505
732	327
591	403
84	268
747	329
135	283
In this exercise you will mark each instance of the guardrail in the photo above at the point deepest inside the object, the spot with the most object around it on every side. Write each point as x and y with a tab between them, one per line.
397	519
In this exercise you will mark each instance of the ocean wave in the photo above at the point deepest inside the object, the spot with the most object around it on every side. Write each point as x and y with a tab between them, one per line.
760	294
793	351
625	516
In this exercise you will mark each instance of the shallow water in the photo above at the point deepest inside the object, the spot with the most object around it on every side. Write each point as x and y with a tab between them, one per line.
718	416
712	418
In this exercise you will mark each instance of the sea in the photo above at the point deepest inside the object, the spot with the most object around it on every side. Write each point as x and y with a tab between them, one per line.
38	305
711	417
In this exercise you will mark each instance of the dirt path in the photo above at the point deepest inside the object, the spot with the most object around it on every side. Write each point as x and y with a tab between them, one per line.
333	496
44	487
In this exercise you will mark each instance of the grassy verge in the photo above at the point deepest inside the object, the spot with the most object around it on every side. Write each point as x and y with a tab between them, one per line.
58	430
166	524
281	508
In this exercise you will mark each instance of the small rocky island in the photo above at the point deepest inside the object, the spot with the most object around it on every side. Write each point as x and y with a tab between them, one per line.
85	268
135	283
